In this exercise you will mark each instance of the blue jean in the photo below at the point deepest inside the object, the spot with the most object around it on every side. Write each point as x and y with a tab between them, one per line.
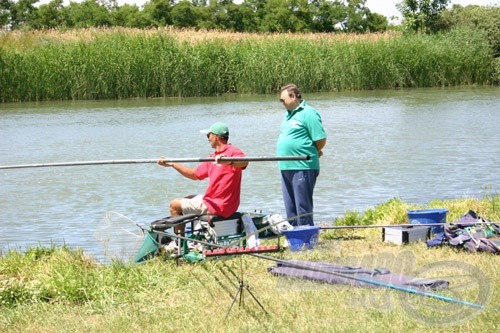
297	187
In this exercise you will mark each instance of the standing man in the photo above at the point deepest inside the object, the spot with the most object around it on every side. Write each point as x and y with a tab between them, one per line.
222	196
301	133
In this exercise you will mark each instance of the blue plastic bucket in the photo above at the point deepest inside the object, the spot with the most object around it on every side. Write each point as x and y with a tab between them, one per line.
428	216
302	236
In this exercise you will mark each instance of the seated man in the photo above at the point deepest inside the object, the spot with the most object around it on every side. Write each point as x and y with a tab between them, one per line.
222	196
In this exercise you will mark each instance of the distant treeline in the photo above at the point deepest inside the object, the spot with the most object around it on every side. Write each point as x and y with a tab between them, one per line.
126	63
266	16
248	16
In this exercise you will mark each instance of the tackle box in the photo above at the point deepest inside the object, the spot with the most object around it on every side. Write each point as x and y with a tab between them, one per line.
404	235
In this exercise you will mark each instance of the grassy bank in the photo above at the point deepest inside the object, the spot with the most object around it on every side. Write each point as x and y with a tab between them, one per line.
62	290
118	63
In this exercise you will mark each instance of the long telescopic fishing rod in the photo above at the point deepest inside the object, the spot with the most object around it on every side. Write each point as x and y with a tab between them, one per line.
373	282
400	225
155	160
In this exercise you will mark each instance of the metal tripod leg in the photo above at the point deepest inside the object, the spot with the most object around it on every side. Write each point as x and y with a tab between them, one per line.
241	288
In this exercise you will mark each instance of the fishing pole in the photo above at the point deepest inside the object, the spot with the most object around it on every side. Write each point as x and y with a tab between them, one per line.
373	282
155	160
401	225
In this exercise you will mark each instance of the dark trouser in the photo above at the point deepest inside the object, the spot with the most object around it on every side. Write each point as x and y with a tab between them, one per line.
297	187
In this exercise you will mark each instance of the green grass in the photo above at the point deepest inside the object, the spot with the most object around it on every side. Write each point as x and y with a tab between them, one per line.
118	63
62	290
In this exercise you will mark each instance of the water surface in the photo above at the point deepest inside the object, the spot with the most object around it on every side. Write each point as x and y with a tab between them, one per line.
416	145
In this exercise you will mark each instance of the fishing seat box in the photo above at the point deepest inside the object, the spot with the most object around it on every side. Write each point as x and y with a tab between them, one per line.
225	226
405	235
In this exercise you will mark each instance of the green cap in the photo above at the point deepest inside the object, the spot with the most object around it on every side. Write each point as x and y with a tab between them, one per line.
218	128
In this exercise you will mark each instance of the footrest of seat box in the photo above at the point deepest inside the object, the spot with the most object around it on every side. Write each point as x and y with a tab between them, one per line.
240	250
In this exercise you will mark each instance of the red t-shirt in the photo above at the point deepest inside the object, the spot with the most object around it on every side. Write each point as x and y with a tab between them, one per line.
222	195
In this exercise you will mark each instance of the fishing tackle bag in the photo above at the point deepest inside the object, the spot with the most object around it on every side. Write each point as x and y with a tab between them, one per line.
471	233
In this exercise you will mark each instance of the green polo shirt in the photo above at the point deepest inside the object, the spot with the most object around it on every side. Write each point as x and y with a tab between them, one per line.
298	132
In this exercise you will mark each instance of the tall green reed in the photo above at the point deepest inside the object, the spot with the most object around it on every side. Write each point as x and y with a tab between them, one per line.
117	65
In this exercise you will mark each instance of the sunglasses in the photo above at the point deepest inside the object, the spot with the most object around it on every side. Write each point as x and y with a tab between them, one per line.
208	135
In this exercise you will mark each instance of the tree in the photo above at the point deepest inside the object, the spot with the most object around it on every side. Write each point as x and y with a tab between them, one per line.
86	14
226	15
303	14
328	15
486	18
376	22
22	13
253	11
129	16
422	15
5	8
357	13
286	16
49	16
159	11
276	17
184	15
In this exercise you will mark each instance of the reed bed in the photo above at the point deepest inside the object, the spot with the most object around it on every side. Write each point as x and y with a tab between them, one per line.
62	290
19	39
125	63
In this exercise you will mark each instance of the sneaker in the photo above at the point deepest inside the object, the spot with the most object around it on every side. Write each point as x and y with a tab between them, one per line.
279	224
171	247
194	246
285	244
